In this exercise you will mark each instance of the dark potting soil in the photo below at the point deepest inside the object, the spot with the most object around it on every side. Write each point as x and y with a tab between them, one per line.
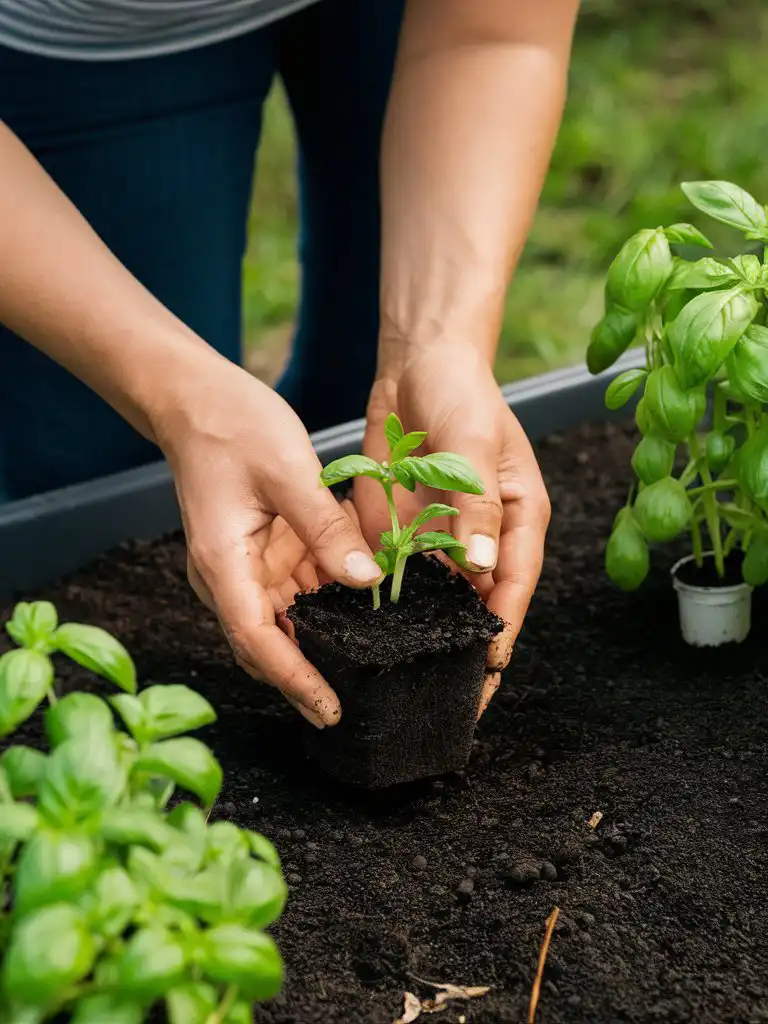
706	575
663	905
408	675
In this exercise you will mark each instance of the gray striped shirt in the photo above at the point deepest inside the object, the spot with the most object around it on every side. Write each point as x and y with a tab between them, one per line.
121	29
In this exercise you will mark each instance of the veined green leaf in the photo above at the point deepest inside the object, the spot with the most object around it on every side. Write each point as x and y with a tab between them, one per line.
351	466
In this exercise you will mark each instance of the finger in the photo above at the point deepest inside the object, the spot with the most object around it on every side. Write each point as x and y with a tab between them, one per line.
521	553
198	585
305	575
233	573
322	524
479	522
490	686
282	552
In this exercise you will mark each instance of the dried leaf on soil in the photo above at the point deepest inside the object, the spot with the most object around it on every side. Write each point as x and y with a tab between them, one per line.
595	820
411	1009
414	1007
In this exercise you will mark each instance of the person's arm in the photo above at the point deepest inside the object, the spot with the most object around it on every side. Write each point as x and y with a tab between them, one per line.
238	453
475	105
474	110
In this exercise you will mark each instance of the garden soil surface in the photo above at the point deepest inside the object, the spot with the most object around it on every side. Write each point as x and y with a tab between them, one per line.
662	906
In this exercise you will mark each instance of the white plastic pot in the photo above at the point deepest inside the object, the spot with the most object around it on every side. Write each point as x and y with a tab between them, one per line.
710	616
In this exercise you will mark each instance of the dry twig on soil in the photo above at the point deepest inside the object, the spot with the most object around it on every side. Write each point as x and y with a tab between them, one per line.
551	922
595	820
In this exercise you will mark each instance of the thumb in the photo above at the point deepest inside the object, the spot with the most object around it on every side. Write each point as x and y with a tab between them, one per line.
479	522
329	533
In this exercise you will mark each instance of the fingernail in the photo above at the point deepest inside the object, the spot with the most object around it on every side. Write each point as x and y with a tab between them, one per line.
310	716
361	567
481	551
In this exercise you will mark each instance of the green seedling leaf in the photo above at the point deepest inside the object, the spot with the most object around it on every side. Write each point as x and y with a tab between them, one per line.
403	476
256	893
49	951
351	466
671	412
53	867
32	624
225	842
133	713
610	339
407	444
262	848
170	710
640	270
104	1008
234	955
444	471
195	1003
188	763
18	822
735	517
706	330
643	418
23	767
662	510
727	203
99	651
754	568
153	961
752	467
436	540
704	274
128	826
747	365
686	234
653	459
190	820
78	715
83	777
623	387
749	268
386	560
720	449
112	902
26	677
393	430
627	560
433	511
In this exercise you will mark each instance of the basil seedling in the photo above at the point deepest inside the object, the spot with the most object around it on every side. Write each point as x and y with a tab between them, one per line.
111	902
442	471
701	323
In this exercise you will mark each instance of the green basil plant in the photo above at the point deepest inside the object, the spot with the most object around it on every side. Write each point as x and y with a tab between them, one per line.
443	471
110	902
702	325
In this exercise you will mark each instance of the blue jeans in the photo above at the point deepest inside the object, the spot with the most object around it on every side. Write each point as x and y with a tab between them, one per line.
158	155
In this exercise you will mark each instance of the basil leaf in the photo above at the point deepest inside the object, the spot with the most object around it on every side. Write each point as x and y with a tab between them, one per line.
83	777
611	338
736	517
393	429
705	332
672	412
386	560
225	842
621	388
640	270
32	624
188	763
24	768
128	826
662	510
754	568
653	459
703	274
752	467
749	267
170	710
53	867
407	444
720	449
195	1003
433	511
727	203
112	902
403	476
435	540
351	466
49	951
627	560
686	234
26	677
444	471
17	822
78	715
152	962
747	365
104	1008
99	651
234	955
133	713
263	849
257	893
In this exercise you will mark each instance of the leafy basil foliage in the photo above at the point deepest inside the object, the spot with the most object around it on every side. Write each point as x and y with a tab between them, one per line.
113	903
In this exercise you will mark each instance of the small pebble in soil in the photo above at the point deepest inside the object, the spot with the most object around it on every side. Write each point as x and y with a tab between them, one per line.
465	890
313	846
585	919
310	858
524	872
548	871
293	878
356	841
229	809
470	870
299	833
419	862
255	800
284	833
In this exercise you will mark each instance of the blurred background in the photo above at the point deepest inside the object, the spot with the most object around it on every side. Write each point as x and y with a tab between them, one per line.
661	91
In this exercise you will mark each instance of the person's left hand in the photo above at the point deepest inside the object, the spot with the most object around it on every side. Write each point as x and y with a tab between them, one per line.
450	393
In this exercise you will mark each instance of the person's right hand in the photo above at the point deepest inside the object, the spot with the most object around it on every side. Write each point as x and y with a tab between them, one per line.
240	457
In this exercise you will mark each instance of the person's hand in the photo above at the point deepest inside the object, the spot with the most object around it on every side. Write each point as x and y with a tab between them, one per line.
240	457
452	395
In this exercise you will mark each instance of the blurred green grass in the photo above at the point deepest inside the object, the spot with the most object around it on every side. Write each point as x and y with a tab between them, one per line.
660	92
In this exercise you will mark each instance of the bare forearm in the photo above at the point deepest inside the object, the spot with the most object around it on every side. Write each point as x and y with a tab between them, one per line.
62	290
474	112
